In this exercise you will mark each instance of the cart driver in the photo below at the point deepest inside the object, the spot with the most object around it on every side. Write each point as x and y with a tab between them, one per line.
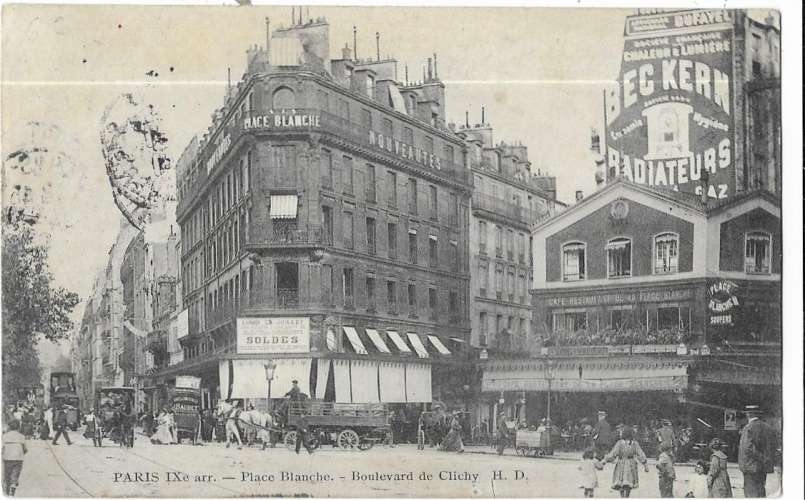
295	394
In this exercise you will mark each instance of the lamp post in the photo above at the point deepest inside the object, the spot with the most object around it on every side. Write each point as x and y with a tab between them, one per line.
270	367
549	378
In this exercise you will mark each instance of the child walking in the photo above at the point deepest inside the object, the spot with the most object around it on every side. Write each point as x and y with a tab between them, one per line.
588	475
697	485
667	474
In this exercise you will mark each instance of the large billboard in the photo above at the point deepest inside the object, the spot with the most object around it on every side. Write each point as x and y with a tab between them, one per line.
273	335
671	124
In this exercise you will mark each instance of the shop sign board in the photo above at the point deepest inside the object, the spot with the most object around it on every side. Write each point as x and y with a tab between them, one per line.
730	420
627	297
671	123
722	302
273	335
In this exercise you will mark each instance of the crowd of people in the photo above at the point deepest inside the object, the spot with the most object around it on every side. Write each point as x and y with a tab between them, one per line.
619	336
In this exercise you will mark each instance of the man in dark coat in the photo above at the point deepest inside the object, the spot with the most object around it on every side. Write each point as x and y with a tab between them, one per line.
302	435
60	424
755	453
503	433
666	438
603	436
295	394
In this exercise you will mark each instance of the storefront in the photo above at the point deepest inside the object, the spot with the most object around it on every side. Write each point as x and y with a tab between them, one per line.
597	315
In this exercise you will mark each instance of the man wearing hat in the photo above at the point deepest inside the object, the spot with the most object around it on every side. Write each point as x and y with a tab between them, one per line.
503	432
666	437
295	394
603	436
755	452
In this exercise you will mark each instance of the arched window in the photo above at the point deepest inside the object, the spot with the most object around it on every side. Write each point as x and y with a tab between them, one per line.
283	98
574	261
666	253
757	257
619	258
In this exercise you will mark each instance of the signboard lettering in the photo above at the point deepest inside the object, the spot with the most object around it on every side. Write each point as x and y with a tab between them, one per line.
403	150
273	335
620	298
722	300
671	123
283	120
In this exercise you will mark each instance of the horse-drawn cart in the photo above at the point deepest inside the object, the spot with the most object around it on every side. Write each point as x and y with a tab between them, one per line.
347	425
114	417
185	401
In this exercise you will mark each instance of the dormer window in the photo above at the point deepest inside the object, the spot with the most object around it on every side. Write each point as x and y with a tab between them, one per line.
758	253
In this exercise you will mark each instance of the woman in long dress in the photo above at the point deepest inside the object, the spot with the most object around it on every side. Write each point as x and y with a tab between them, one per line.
626	454
718	479
163	434
453	441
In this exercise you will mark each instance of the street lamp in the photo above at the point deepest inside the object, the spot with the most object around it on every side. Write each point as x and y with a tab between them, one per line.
270	367
549	378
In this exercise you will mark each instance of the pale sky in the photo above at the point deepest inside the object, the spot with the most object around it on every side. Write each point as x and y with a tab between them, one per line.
539	73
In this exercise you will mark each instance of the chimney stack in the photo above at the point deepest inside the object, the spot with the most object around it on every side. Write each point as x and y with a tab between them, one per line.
355	43
483	115
406	74
430	69
346	54
268	36
435	67
579	196
467	119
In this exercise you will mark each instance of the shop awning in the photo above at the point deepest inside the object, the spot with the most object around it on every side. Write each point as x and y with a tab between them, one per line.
133	329
355	340
418	346
246	378
604	377
283	206
418	383
377	340
437	343
399	343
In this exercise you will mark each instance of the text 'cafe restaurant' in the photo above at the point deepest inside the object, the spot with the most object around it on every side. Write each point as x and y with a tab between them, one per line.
355	365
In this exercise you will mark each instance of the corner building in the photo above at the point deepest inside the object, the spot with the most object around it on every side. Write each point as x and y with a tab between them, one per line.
324	226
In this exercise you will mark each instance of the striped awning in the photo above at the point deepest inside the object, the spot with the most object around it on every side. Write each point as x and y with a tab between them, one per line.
283	206
377	340
418	346
437	343
399	343
355	340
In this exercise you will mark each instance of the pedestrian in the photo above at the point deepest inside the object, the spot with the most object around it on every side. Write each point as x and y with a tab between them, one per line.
503	432
14	451
697	485
626	454
755	453
60	421
89	425
453	441
302	435
588	479
232	425
603	437
171	419
666	437
718	478
44	426
665	471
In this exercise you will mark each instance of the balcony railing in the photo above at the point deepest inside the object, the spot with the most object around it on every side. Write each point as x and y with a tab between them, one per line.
288	237
505	208
301	121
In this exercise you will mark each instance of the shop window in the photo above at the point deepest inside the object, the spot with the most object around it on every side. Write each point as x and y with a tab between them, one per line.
619	258
668	318
758	252
573	261
666	253
569	322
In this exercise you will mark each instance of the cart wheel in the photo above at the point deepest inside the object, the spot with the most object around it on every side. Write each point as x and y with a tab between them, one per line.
290	440
348	439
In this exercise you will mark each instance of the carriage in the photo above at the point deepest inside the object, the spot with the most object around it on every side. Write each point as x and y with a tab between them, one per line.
185	399
110	418
63	394
537	443
346	425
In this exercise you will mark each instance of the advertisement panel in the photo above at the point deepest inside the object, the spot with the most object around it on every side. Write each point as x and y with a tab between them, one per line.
273	335
671	124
